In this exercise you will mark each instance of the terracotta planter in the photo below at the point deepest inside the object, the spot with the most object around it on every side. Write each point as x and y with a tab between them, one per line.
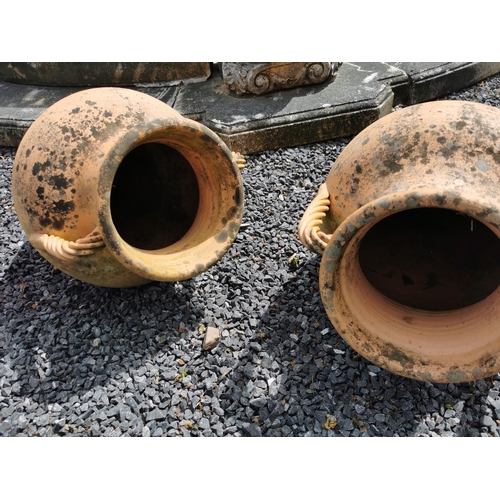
116	188
408	224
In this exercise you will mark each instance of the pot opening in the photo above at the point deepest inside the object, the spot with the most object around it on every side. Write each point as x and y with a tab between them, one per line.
431	258
154	197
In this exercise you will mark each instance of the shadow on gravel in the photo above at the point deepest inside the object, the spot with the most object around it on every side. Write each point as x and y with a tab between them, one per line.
320	386
65	337
289	373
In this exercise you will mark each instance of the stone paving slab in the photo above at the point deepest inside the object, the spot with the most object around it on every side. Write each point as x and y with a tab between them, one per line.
427	81
91	74
21	105
339	107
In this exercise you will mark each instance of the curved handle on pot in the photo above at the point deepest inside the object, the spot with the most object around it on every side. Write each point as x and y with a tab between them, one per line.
311	234
67	250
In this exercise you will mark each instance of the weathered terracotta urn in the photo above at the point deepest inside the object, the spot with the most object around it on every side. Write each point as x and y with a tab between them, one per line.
115	188
408	223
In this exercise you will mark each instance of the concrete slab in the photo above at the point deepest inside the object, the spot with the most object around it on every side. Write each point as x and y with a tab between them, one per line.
360	94
427	81
291	117
21	105
93	74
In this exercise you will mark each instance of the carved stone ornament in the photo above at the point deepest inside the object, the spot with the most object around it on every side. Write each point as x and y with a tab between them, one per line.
260	78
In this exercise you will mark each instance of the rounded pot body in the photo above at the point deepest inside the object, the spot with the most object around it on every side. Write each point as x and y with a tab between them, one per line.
116	188
410	274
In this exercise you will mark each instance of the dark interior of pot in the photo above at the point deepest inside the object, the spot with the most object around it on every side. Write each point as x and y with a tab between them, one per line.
432	259
154	197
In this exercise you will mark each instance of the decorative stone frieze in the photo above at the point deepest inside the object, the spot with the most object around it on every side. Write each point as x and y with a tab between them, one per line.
260	78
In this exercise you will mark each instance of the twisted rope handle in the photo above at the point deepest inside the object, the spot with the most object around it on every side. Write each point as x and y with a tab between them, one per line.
310	234
239	159
67	250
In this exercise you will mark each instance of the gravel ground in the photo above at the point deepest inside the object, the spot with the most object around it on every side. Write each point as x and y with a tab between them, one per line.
79	360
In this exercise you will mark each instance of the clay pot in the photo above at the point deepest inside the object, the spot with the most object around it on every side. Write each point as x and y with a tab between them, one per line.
408	225
115	188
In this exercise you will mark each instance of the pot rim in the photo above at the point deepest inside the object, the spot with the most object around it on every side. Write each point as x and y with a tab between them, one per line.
378	209
189	256
388	333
